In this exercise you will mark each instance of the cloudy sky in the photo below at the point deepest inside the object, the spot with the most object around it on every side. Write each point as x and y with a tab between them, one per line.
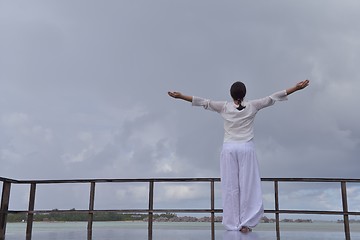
83	94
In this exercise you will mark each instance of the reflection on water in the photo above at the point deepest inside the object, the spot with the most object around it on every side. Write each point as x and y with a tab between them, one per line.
177	231
237	235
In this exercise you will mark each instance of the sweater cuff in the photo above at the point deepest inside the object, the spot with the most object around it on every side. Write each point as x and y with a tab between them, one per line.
197	101
279	96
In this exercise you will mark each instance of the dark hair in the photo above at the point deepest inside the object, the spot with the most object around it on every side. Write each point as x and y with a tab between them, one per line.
238	92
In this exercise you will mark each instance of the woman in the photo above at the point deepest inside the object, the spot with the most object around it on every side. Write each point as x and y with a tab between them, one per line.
240	178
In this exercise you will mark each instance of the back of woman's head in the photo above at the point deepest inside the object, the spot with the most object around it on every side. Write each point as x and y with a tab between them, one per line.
238	91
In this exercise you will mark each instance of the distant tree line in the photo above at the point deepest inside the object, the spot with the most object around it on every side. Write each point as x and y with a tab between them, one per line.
59	216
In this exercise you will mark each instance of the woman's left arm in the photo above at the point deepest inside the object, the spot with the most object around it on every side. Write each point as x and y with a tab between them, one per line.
297	87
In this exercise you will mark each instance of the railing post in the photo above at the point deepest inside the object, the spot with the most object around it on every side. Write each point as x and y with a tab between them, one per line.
345	210
276	188
212	186
91	208
30	215
151	208
4	208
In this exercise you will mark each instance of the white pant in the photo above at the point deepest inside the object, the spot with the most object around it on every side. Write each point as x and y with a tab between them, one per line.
241	186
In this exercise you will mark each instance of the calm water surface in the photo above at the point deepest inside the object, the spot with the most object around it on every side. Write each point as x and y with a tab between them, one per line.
177	231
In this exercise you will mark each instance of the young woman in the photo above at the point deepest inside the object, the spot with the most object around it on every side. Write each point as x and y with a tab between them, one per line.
240	178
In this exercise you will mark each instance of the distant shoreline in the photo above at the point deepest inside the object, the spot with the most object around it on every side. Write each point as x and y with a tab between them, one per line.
58	216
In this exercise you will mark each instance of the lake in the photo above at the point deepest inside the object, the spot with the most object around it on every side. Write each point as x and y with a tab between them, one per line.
178	231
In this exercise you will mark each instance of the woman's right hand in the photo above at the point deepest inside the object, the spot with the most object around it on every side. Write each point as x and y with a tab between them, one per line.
175	94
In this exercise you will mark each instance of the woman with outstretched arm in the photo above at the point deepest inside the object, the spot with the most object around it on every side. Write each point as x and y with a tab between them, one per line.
239	170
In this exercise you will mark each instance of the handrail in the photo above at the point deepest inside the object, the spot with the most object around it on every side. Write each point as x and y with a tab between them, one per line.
4	211
106	180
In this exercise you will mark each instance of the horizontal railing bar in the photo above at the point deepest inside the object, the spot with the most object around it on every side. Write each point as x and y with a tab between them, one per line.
76	211
312	212
172	180
179	211
116	210
311	179
2	179
188	210
144	180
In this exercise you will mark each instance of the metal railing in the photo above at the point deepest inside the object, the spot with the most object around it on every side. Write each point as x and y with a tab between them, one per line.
4	210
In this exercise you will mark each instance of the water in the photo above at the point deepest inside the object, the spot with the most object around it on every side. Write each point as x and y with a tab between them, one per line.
178	231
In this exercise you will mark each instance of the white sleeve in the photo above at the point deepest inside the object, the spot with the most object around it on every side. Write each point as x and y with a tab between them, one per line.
270	100
279	96
216	106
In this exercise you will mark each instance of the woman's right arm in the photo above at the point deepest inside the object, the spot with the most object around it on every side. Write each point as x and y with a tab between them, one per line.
216	106
179	95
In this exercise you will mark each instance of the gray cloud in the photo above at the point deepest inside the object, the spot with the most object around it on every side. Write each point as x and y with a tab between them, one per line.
84	83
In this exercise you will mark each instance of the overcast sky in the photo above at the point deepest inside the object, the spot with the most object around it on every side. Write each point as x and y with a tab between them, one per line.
84	86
